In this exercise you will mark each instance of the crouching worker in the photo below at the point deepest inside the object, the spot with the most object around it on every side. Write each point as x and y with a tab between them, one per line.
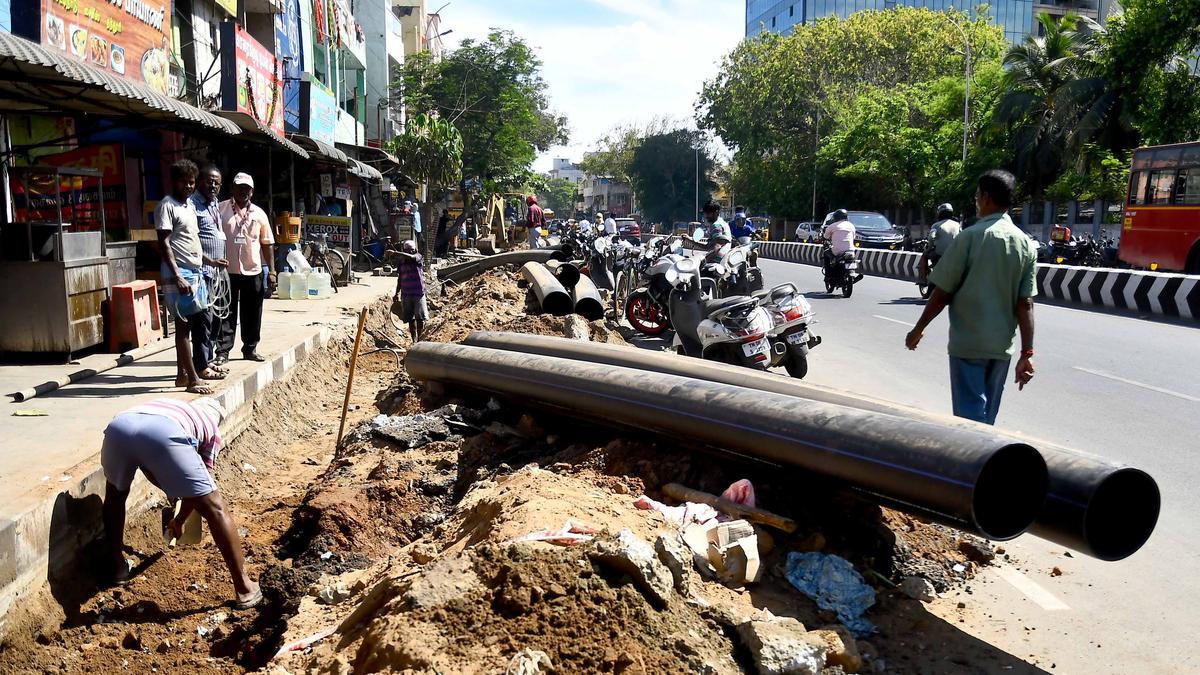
174	443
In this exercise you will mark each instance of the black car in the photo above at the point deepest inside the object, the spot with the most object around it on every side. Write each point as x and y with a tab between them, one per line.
872	230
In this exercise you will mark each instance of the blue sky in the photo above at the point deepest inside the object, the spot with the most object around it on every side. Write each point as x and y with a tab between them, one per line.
610	61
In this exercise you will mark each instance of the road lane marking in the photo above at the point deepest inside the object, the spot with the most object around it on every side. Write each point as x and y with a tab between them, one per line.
1030	588
1150	387
902	323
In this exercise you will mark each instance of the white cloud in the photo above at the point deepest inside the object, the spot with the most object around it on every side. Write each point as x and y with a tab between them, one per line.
629	61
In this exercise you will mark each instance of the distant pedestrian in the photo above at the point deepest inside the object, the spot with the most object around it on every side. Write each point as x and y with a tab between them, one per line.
175	444
988	278
248	242
442	239
182	277
410	290
206	326
535	222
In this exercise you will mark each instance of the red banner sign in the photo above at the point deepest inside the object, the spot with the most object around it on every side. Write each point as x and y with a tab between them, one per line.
81	195
253	80
129	38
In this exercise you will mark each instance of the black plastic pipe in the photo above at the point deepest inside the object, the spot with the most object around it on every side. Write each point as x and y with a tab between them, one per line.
587	299
1095	506
972	481
566	273
551	295
474	267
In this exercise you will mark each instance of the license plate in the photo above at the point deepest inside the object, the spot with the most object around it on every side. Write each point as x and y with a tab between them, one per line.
796	338
752	348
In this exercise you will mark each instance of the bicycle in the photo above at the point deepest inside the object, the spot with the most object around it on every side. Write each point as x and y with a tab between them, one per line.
319	253
374	254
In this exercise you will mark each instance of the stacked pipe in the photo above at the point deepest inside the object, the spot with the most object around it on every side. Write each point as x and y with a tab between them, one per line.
976	481
473	268
1101	508
557	277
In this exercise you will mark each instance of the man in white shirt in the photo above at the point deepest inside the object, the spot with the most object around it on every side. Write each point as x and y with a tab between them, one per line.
610	225
840	235
248	242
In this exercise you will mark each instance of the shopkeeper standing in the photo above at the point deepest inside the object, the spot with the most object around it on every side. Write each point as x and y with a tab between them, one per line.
248	242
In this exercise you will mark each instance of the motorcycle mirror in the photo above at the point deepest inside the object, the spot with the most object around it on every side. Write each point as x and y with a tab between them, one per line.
698	233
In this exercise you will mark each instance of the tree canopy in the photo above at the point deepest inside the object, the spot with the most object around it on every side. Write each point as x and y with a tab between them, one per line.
664	172
429	150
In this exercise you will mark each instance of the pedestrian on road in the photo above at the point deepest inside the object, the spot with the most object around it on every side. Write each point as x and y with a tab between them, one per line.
410	290
535	222
174	443
248	242
988	277
441	240
206	326
182	259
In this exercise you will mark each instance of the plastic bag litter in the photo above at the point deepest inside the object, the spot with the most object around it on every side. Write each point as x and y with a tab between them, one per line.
680	516
741	492
833	583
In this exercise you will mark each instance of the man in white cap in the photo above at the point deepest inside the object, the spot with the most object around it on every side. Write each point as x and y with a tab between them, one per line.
174	443
248	242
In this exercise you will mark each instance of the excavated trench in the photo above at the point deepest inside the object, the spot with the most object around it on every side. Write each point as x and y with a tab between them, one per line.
432	495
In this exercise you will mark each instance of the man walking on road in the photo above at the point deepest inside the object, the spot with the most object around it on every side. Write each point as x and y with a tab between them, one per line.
988	277
248	242
535	222
410	290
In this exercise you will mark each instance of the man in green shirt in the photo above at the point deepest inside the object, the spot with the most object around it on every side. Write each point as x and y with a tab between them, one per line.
988	278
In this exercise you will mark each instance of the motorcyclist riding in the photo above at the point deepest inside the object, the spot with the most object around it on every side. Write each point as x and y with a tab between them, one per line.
941	235
840	235
742	228
717	237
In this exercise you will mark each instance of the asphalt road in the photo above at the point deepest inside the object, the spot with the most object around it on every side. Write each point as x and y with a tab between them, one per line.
1123	388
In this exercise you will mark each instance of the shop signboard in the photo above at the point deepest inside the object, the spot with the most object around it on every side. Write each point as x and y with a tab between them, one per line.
342	192
288	51
319	118
84	212
337	228
128	38
250	79
326	185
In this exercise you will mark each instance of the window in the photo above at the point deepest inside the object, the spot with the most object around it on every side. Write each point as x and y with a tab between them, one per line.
1187	189
1161	182
1137	187
772	22
792	10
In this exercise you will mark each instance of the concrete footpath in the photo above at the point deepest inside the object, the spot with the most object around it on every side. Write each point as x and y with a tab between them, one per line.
50	476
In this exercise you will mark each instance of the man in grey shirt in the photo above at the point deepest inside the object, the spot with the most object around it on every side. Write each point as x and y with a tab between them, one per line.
941	235
182	259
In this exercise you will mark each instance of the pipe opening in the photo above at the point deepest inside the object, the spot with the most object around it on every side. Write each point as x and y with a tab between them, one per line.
558	304
1010	491
590	309
1121	514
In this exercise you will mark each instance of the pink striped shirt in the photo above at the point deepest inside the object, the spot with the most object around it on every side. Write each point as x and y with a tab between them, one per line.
197	422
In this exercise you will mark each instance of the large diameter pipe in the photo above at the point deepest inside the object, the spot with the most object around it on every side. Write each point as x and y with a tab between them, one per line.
1095	506
472	268
587	300
551	295
973	481
566	273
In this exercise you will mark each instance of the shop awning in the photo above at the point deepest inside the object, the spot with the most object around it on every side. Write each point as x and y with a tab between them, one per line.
34	79
251	125
377	157
364	171
320	149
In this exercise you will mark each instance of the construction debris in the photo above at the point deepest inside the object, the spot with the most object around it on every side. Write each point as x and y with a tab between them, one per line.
833	583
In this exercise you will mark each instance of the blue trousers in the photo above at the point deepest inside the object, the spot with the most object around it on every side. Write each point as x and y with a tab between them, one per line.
976	386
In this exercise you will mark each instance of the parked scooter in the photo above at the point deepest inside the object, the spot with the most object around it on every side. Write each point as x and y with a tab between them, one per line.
791	335
730	330
842	273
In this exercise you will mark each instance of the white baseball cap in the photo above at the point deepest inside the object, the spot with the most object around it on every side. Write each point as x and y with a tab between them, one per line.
243	179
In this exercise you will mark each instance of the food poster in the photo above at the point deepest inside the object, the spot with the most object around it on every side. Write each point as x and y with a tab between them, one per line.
129	38
81	194
251	79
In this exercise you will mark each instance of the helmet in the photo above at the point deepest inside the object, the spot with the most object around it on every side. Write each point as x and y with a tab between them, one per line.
531	200
945	211
840	215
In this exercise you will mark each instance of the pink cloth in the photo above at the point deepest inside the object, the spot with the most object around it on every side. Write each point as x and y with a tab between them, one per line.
246	232
741	491
688	513
569	534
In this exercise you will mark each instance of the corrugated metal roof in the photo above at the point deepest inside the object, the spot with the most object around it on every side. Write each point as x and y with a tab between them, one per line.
365	171
321	148
17	49
253	125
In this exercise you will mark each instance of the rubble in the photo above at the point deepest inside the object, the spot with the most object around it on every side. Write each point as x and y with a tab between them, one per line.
630	555
918	588
782	646
678	560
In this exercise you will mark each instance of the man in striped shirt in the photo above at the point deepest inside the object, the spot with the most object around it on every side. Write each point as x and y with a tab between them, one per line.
206	327
175	444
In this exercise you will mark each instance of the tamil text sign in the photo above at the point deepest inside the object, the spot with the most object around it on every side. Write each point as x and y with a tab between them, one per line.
129	38
251	81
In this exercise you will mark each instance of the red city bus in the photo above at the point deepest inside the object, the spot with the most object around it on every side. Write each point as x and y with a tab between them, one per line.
1162	212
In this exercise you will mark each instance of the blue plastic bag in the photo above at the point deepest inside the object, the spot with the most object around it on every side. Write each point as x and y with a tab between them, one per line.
185	305
834	584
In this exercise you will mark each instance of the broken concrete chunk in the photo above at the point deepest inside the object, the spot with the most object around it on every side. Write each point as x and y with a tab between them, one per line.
575	328
725	534
445	580
782	646
842	650
333	594
738	563
677	558
918	588
977	551
628	554
411	431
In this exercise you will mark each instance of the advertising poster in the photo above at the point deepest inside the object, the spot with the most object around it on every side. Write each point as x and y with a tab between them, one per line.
84	212
322	112
288	51
336	227
251	79
129	38
326	185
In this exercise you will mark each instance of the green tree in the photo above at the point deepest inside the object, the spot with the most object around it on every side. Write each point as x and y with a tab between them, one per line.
613	153
429	150
664	175
491	91
558	195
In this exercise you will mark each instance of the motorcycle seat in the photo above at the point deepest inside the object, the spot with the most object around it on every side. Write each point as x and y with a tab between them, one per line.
760	294
710	307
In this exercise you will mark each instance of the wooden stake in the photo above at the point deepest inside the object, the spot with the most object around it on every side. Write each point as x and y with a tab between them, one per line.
362	320
754	515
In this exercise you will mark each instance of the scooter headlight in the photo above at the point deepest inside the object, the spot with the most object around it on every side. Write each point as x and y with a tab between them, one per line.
671	275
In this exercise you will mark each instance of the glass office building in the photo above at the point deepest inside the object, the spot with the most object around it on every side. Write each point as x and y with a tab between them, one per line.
1016	17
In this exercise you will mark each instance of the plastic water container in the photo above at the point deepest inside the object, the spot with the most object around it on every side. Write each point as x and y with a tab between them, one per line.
298	286
297	262
285	285
319	284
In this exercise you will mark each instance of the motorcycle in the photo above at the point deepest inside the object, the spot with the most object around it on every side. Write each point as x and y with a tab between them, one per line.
732	270
1080	251
647	308
842	272
790	337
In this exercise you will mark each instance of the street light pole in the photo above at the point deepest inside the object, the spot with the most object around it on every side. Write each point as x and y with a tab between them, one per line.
696	212
967	79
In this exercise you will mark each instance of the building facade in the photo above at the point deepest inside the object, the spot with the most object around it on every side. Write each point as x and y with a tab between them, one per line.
565	168
1016	17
